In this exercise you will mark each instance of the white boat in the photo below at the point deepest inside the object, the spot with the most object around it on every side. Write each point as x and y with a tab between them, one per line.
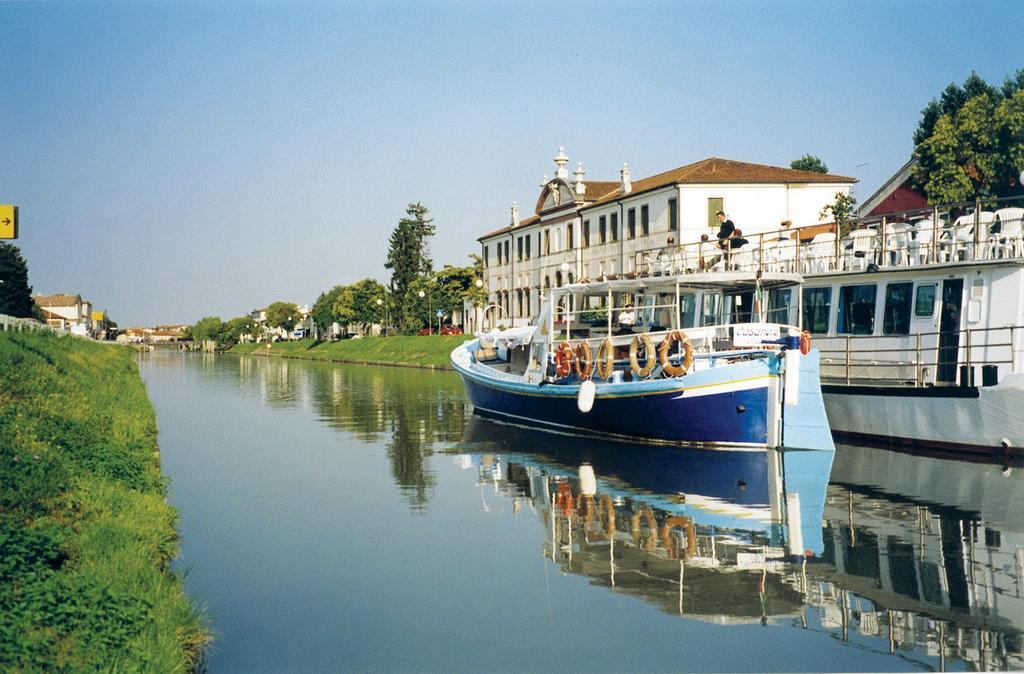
919	317
738	381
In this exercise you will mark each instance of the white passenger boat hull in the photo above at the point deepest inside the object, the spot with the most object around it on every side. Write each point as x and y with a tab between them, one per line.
981	420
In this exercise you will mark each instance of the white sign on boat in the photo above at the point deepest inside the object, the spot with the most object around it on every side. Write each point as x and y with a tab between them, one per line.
754	334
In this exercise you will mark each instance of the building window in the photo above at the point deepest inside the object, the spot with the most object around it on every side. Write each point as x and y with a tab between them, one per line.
519	249
715	204
817	308
896	319
602	229
568	236
615	226
485	256
586	233
673	215
547	242
856	310
645	220
528	239
631	223
508	243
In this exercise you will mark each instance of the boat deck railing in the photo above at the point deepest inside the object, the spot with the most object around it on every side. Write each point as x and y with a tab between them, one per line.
975	231
969	357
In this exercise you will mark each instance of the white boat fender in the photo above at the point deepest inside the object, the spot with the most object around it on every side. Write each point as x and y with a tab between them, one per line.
588	481
585	398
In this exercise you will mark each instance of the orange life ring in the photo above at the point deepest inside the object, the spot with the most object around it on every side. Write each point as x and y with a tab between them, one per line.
563	359
605	359
805	342
634	361
687	526
584	361
666	365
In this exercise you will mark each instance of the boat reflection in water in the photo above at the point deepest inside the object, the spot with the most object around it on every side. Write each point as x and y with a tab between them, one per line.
913	556
926	554
701	533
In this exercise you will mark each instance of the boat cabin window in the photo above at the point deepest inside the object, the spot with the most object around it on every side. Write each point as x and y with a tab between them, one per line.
710	306
857	310
924	303
817	309
896	320
687	310
741	305
779	302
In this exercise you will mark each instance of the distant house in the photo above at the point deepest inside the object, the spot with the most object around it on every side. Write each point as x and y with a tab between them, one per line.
65	312
896	194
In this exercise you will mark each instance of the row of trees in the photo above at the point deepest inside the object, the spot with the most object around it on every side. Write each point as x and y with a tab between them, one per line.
283	315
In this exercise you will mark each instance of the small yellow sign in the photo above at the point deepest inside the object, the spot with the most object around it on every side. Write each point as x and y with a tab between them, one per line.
8	221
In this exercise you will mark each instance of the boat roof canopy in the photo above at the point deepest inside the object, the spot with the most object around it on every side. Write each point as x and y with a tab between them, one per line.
724	280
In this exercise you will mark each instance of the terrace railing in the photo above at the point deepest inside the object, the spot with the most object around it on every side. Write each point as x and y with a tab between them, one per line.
968	357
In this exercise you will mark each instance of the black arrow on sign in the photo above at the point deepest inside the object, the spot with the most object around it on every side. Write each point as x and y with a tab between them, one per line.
6	221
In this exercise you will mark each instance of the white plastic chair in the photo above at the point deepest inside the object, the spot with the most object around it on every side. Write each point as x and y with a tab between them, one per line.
863	242
897	243
820	252
922	244
785	255
768	254
964	237
1010	242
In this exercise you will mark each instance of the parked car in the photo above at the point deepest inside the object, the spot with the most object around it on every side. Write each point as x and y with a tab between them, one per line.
425	331
451	330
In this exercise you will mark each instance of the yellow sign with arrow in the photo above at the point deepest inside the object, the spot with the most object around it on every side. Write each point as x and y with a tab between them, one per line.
8	221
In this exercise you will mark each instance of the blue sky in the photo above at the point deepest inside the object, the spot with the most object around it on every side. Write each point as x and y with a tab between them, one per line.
173	160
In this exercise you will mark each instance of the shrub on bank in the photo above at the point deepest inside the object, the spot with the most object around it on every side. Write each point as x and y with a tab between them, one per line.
86	536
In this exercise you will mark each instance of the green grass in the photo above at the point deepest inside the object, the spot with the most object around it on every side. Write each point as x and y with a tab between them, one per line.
86	536
426	351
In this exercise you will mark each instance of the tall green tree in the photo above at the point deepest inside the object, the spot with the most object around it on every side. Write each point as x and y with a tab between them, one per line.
209	328
15	292
970	142
809	163
409	252
323	309
284	315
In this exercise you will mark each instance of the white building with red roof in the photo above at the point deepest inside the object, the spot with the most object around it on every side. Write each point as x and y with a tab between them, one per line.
584	229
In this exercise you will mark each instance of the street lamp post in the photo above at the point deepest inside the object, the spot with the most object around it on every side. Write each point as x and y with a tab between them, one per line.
380	301
430	307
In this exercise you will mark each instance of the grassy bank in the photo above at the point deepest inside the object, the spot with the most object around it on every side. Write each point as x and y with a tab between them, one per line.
426	351
86	536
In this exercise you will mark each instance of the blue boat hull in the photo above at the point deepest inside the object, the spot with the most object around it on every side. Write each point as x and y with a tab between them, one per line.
680	411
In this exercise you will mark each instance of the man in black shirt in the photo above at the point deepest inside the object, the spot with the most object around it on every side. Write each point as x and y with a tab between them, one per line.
725	228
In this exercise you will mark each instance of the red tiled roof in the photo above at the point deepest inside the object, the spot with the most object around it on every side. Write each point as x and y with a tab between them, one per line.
712	170
58	300
725	171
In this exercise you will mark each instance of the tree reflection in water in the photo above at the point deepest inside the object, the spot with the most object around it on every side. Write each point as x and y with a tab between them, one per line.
411	410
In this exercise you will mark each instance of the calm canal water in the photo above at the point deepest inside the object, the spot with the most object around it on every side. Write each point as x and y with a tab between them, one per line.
338	517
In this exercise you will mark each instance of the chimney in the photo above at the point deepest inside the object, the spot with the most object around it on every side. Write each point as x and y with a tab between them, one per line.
515	215
560	161
581	189
625	186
